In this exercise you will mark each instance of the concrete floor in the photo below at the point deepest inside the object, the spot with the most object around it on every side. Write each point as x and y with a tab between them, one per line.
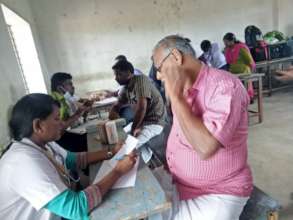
271	150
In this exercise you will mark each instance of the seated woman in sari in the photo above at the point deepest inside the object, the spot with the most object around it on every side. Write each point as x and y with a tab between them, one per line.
239	58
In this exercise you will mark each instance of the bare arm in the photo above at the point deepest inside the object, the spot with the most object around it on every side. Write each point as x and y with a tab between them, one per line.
97	156
194	130
139	115
285	75
114	112
67	123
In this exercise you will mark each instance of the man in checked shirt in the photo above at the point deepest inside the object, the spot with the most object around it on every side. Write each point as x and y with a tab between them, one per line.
207	147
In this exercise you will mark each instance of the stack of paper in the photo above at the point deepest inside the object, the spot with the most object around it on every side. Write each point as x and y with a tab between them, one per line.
104	102
128	180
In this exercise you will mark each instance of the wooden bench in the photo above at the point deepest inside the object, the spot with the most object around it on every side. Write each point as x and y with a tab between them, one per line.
260	206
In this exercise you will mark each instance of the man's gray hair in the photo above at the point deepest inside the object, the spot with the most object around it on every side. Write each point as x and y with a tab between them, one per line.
176	41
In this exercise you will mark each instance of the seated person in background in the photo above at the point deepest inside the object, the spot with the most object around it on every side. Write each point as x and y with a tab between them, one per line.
212	55
125	111
158	84
123	57
74	101
285	75
62	90
35	168
149	109
61	86
239	58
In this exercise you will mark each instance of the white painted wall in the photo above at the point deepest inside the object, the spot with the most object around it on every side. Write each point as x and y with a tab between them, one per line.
83	37
11	84
286	16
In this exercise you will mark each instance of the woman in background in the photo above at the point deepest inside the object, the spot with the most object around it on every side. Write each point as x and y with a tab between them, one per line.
239	58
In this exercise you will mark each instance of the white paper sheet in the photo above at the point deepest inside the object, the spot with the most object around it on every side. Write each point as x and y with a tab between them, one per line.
106	101
127	180
128	147
127	128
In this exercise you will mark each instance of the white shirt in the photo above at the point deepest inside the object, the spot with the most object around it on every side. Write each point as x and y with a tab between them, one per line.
215	57
28	182
72	102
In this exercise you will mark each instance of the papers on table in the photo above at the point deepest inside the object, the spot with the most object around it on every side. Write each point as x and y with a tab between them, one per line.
127	128
81	129
127	148
128	180
104	102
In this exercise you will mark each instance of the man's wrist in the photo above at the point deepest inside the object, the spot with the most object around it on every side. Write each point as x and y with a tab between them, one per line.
110	154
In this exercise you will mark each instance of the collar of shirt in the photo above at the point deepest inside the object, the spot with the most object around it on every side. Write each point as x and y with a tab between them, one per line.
197	85
131	83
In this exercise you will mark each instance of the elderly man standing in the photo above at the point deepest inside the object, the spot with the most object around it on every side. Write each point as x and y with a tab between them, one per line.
207	146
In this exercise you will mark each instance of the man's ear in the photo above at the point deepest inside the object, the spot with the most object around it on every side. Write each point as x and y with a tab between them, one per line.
37	126
177	56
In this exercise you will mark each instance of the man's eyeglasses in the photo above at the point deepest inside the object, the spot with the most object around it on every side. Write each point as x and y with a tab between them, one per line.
158	69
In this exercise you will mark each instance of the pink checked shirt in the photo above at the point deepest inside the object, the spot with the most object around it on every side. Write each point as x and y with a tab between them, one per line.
219	99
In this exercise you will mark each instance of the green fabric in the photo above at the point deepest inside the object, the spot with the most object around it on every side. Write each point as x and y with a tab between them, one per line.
279	36
243	63
70	161
69	205
64	107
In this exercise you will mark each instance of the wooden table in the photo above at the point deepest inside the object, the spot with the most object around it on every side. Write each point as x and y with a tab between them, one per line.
146	199
255	77
82	129
103	105
267	66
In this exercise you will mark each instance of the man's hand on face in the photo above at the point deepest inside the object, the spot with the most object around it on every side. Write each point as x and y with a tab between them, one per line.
174	82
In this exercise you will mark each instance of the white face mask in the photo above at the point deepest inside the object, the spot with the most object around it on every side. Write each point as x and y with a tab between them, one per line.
67	95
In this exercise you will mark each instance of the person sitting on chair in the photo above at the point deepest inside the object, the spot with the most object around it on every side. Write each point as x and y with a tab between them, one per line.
145	99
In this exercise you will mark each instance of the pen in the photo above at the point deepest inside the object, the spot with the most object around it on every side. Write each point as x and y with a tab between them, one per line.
121	157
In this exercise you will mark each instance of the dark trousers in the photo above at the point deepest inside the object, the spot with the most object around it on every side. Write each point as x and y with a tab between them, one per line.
225	67
127	113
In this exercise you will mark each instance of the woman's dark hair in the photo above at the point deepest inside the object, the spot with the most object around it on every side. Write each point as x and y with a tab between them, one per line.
28	108
120	57
230	37
205	45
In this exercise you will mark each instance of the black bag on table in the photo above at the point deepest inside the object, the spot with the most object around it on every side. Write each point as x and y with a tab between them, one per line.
252	35
279	50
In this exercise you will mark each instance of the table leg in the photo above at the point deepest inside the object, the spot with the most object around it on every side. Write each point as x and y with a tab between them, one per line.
260	101
270	80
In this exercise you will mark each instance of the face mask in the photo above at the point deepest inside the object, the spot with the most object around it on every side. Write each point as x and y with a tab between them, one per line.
67	95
